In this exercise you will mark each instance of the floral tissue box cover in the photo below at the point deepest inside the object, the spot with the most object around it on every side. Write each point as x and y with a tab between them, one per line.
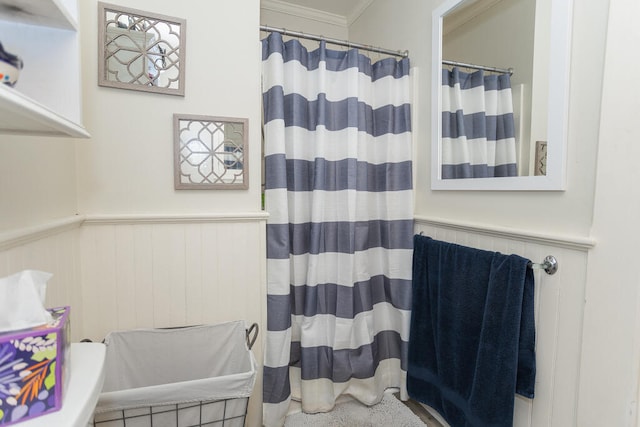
32	369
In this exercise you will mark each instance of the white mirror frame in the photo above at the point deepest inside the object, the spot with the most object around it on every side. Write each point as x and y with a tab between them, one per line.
557	114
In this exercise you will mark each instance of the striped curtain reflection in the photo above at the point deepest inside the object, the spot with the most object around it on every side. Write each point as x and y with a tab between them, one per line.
339	235
478	131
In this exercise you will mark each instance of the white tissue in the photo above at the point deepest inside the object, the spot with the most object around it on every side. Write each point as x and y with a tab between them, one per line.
22	300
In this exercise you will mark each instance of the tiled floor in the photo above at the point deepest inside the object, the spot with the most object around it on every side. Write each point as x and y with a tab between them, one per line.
422	413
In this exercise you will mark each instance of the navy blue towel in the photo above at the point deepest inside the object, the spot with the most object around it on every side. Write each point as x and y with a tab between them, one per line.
472	339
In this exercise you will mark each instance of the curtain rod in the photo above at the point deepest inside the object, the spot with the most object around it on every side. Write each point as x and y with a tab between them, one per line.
400	53
510	71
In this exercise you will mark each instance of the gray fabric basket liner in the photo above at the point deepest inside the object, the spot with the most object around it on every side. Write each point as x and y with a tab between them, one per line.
151	367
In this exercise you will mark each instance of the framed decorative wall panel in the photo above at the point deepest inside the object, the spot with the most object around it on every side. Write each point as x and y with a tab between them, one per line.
210	153
141	50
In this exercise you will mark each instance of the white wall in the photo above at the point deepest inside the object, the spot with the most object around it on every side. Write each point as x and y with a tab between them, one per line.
319	24
566	213
501	36
124	185
152	256
127	166
51	247
141	254
38	221
330	26
609	391
37	180
599	205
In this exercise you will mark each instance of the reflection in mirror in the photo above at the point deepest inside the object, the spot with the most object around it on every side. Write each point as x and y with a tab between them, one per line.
210	153
141	50
500	83
478	128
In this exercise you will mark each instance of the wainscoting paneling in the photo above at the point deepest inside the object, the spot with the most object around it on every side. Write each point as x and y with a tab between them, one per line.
52	248
559	308
125	272
152	274
154	271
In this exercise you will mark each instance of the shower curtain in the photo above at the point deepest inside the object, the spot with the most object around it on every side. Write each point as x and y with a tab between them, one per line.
337	137
478	131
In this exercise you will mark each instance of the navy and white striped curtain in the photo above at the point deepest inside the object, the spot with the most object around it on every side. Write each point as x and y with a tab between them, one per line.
337	135
478	132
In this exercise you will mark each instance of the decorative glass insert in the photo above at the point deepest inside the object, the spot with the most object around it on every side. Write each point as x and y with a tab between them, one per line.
210	153
141	50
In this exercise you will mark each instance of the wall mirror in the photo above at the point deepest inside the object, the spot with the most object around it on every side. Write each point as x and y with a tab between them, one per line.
539	83
140	50
210	153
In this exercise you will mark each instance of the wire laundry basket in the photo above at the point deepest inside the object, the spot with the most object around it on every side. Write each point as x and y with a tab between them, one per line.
182	377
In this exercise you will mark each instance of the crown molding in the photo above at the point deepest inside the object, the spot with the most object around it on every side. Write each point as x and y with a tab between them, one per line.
466	12
358	11
304	12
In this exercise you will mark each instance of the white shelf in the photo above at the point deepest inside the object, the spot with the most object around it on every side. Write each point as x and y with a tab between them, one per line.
46	100
86	376
23	116
47	13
